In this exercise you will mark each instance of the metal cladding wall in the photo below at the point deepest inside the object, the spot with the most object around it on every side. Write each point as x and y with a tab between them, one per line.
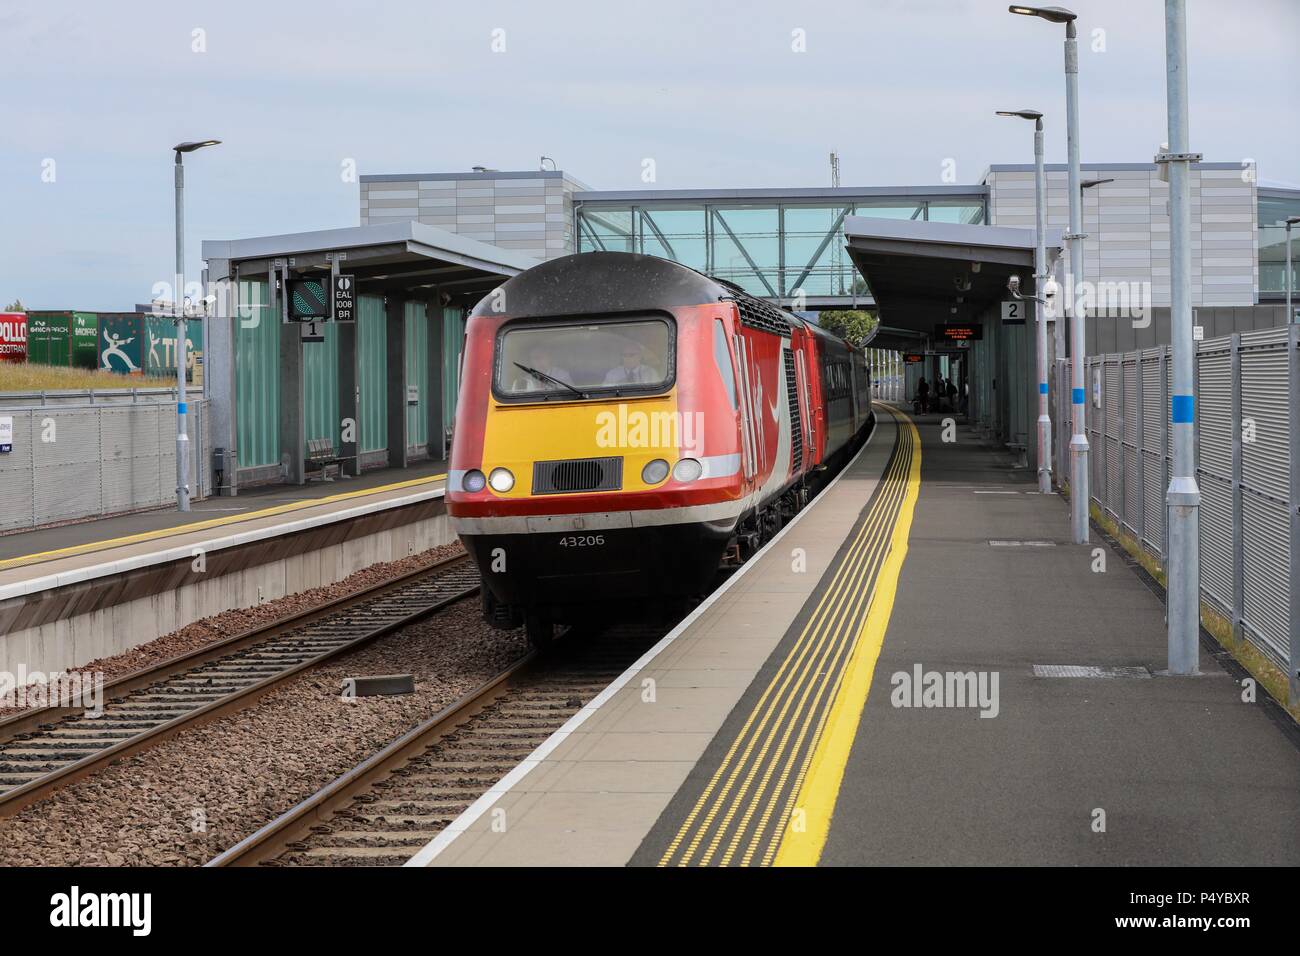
372	385
257	379
83	461
417	374
1248	417
320	387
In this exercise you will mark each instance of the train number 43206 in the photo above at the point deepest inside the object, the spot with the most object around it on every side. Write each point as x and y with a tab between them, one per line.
582	540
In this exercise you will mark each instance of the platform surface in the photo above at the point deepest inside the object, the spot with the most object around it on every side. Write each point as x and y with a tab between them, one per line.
1065	770
48	551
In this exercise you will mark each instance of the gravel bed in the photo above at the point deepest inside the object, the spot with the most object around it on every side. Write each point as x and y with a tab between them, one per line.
235	621
200	792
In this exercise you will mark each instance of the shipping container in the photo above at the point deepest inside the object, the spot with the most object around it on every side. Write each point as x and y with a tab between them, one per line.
13	336
136	343
62	338
160	349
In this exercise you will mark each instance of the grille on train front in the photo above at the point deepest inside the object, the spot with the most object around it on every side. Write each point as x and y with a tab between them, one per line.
577	474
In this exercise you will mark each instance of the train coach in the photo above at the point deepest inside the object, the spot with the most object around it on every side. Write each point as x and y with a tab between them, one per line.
626	425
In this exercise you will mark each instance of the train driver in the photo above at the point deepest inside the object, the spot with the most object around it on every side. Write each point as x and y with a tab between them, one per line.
633	371
539	357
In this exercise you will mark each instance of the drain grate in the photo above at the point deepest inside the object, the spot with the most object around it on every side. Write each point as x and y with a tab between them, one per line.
1088	670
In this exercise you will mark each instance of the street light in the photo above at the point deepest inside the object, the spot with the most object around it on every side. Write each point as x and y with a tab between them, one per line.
1040	320
1290	221
1079	439
182	356
1183	497
1054	14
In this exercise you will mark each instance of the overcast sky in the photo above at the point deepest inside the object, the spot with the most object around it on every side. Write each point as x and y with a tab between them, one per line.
713	92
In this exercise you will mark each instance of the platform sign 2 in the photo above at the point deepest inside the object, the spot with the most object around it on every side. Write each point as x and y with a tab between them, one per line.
307	300
1013	312
345	298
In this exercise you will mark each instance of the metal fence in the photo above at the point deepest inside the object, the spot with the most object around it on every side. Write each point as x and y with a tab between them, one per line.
72	461
1248	433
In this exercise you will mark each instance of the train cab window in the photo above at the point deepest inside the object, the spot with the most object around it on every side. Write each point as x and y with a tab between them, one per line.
722	356
580	360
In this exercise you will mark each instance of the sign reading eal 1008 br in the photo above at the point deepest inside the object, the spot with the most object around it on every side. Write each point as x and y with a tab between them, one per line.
958	333
345	298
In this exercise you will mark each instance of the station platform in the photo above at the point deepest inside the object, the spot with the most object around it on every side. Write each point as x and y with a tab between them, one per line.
793	720
39	545
80	592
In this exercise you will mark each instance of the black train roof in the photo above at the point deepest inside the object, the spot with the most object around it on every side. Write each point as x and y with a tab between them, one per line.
602	282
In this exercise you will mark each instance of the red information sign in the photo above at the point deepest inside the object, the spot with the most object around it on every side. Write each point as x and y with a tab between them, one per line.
13	337
959	333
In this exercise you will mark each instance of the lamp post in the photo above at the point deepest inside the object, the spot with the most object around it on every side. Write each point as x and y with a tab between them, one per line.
1084	187
182	356
1183	498
1078	391
1040	319
1290	221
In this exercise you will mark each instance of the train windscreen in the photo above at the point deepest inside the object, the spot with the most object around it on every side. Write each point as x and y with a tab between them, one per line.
576	360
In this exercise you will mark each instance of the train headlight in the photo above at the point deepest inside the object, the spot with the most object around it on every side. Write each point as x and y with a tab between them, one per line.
501	480
654	471
473	480
688	469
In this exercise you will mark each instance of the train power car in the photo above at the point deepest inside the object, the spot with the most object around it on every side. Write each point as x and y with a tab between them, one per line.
627	424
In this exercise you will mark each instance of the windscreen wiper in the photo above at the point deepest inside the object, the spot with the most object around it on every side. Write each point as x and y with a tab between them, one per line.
551	378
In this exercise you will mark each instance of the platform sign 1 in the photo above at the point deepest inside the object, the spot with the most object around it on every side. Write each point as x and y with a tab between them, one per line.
6	435
1013	312
312	330
307	300
345	298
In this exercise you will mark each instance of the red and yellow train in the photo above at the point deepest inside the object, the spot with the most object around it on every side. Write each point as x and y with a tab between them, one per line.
626	423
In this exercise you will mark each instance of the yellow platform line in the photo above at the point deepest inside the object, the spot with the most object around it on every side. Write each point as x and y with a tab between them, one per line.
76	549
813	714
802	846
828	605
814	680
813	661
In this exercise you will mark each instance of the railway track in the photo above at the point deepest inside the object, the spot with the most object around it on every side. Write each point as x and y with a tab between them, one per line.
50	747
383	811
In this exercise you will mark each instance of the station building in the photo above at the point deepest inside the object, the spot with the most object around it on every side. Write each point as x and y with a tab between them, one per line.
430	245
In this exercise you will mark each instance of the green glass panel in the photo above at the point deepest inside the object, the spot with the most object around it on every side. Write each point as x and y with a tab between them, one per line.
676	234
257	378
372	385
320	386
417	373
605	229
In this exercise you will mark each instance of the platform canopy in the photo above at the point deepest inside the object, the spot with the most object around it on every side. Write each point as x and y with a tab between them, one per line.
390	257
923	274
